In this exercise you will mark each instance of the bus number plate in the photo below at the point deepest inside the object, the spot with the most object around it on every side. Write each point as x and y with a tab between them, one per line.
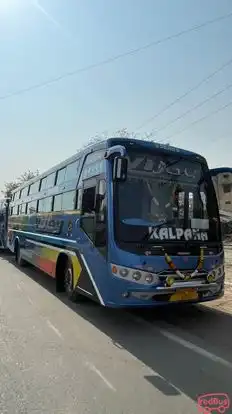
187	294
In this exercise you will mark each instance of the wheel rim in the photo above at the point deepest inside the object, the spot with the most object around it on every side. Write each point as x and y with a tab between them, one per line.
68	280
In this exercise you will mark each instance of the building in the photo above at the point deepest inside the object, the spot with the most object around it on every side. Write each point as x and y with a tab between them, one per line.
222	179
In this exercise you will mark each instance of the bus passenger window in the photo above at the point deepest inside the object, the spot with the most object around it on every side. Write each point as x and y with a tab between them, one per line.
15	210
68	200
43	184
50	180
31	208
48	204
24	192
88	200
23	208
34	188
45	205
57	205
71	171
60	176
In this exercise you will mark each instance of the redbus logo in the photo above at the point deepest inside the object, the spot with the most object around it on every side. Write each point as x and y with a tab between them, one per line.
213	403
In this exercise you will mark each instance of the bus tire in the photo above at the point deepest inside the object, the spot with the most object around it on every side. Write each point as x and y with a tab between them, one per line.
64	277
68	280
18	255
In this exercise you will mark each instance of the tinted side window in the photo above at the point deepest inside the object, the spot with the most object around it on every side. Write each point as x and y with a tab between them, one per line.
61	176
68	200
88	200
17	195
48	204
41	205
15	210
34	188
22	209
24	192
45	205
57	205
43	184
51	180
31	208
71	170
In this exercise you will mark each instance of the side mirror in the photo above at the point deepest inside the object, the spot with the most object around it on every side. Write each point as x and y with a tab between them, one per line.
120	169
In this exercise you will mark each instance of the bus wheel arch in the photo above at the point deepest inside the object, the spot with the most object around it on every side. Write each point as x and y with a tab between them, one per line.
60	270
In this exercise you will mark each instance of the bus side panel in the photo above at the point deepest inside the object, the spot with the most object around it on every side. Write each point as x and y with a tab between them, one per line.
42	249
40	246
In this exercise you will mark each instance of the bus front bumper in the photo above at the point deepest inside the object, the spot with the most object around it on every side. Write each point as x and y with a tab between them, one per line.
191	291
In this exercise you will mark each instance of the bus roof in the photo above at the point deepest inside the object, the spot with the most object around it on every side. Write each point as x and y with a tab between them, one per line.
136	143
220	170
151	145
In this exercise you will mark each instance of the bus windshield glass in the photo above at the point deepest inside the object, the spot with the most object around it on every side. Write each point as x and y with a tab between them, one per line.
165	198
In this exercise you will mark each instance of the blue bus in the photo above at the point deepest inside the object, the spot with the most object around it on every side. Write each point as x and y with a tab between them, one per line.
4	214
125	222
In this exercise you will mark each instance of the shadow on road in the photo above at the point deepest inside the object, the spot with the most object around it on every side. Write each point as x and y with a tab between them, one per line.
176	368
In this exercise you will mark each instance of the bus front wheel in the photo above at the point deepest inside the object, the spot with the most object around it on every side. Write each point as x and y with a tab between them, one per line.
69	283
18	256
68	278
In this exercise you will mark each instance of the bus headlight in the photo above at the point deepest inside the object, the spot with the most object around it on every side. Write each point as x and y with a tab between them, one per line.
142	277
136	275
149	278
123	272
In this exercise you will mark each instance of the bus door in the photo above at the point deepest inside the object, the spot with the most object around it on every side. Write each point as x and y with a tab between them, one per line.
93	211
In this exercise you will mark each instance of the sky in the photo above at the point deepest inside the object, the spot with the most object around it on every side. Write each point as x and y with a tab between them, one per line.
46	39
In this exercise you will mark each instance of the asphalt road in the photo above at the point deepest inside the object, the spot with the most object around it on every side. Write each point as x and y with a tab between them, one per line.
59	357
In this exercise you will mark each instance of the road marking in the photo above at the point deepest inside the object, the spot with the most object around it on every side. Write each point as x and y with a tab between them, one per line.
19	287
104	379
196	348
185	343
54	329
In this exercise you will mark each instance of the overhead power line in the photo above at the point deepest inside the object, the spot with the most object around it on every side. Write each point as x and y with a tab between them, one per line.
115	58
221	108
191	110
190	90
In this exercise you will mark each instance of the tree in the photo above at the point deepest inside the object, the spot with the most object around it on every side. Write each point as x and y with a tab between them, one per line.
27	175
119	133
9	187
12	185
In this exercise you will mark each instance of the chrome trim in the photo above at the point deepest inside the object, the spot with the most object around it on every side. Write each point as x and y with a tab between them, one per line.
169	290
175	287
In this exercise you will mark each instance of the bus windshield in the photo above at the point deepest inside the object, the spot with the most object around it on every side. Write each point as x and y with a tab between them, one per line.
166	198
